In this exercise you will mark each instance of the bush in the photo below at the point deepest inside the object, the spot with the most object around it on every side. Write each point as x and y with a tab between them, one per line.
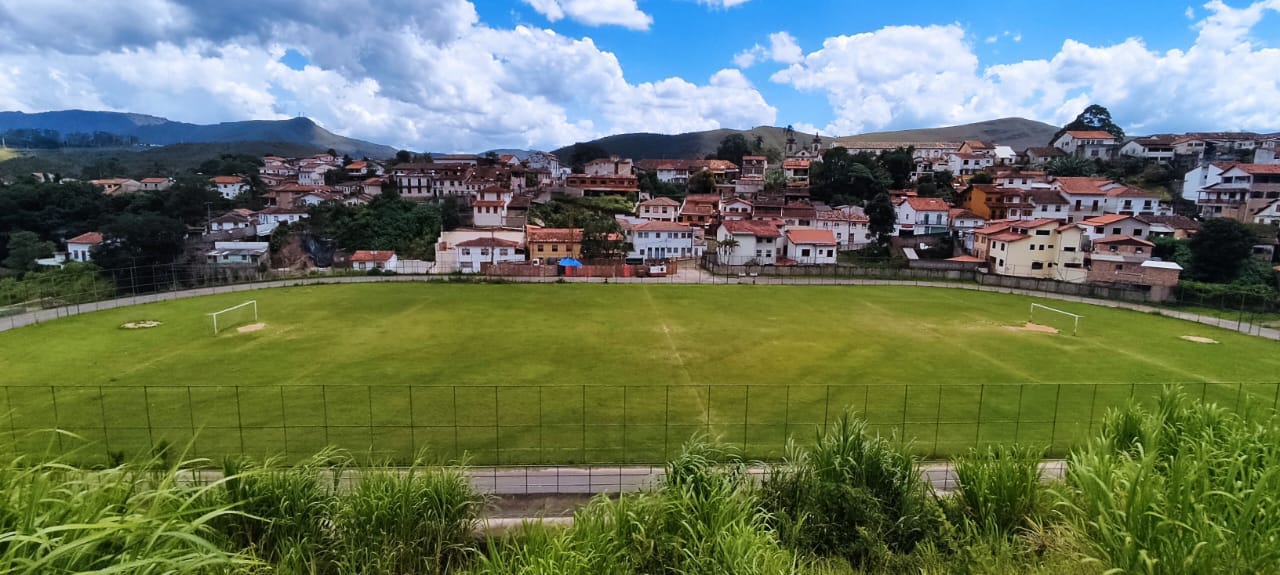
1001	491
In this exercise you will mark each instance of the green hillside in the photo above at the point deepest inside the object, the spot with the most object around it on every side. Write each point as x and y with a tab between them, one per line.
83	163
1017	133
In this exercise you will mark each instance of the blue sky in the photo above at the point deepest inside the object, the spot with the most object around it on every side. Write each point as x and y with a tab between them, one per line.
453	75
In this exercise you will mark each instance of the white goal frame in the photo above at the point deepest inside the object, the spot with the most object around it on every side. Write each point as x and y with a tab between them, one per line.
1075	330
214	315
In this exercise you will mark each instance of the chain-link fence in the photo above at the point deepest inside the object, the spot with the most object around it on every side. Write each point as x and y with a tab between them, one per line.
550	424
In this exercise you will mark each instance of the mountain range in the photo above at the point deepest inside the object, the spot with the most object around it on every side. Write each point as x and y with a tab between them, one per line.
155	131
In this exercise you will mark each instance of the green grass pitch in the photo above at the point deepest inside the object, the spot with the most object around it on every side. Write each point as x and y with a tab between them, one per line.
528	374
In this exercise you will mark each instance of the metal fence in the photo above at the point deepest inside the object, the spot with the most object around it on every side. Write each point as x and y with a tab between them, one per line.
562	425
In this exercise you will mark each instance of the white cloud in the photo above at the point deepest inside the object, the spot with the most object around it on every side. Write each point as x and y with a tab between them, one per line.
1017	37
1190	13
992	39
782	48
623	13
914	76
453	85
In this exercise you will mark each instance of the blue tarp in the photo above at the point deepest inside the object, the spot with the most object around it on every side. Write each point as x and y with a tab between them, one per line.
570	263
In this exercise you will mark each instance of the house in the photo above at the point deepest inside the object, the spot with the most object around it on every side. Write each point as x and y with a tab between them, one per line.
313	173
796	171
489	207
962	164
550	245
1022	179
237	253
458	159
977	147
373	186
1088	144
1158	149
319	195
230	186
660	240
757	242
612	166
1268	214
1244	190
660	209
1043	248
921	216
602	185
850	226
799	214
365	260
699	209
1112	225
448	254
238	219
1041	155
113	186
1004	156
679	171
808	246
1091	197
733	208
80	248
363	169
273	216
1202	177
156	184
1127	261
474	254
753	168
1170	226
963	223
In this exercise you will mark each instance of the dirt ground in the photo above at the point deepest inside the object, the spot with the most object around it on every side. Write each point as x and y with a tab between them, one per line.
252	328
1198	339
1034	327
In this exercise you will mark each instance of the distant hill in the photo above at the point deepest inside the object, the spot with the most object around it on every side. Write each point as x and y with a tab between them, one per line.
1017	133
175	160
689	145
155	131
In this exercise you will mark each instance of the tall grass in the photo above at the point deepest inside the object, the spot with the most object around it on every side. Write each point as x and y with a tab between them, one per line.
135	519
1187	488
851	494
1001	491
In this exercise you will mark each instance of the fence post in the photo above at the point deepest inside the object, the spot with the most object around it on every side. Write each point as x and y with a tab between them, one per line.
369	395
102	407
625	423
937	419
1057	405
191	413
454	390
413	427
497	428
666	424
746	414
146	404
324	400
239	419
977	429
284	421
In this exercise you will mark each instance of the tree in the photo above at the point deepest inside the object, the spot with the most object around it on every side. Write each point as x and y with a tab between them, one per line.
1094	117
403	157
1219	250
981	178
24	249
703	182
775	180
881	216
1067	166
844	178
727	245
900	164
581	153
733	147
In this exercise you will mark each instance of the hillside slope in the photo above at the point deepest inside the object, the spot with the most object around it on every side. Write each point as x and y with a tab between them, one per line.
156	131
1018	133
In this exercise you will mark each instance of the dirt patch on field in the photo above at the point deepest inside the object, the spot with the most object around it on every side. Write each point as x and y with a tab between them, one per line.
1199	339
1034	327
144	324
251	328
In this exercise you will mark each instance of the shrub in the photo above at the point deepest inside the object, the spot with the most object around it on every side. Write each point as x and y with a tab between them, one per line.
1001	491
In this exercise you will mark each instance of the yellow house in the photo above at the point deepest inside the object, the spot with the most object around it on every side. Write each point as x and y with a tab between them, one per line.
978	198
1041	249
550	245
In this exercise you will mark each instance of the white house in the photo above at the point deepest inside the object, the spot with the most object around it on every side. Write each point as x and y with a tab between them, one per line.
963	222
922	216
1088	144
1269	214
1092	197
156	184
273	216
1202	177
237	219
735	209
237	253
365	260
448	254
660	240
312	173
808	246
230	186
758	242
1114	225
848	225
1158	149
661	209
80	248
489	207
474	253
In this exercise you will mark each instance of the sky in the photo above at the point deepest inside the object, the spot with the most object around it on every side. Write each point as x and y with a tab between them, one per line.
459	75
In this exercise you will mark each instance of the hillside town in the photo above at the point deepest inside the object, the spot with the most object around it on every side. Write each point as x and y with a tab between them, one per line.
970	205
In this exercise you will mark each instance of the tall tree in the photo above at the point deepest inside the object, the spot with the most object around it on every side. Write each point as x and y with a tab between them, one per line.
900	164
581	153
1095	117
733	147
1219	250
24	249
703	182
881	216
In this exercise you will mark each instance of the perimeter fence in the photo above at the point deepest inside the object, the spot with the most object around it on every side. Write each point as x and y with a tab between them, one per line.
558	425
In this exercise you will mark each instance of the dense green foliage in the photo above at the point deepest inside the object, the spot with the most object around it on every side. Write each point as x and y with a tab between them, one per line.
1094	117
388	222
1219	250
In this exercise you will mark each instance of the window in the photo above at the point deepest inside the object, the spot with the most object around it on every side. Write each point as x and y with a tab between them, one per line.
1119	267
467	251
804	253
1114	249
1069	249
1116	231
540	248
504	252
1042	232
1037	265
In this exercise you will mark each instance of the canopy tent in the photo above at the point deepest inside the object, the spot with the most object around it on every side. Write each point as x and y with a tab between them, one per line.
570	263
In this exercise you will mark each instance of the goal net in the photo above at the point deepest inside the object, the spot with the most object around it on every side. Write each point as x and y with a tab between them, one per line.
1055	318
244	313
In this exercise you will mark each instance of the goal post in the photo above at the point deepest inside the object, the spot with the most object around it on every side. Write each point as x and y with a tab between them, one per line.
233	315
1075	327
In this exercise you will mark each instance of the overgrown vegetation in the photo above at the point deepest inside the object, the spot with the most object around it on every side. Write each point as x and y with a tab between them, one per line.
1179	486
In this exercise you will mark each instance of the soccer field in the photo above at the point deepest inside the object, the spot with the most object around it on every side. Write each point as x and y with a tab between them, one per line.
598	373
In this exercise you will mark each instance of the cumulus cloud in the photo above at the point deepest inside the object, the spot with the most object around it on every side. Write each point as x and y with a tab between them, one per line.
782	48
623	13
433	78
722	3
914	76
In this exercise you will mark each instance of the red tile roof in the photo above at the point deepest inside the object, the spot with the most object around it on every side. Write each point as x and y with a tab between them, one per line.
1104	220
89	238
796	164
965	260
1091	135
1255	169
561	235
226	180
816	237
489	242
1123	239
660	226
488	204
660	202
928	204
155	180
756	228
372	256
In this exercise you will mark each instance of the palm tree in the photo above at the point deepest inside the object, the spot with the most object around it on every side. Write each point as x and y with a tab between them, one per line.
727	245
